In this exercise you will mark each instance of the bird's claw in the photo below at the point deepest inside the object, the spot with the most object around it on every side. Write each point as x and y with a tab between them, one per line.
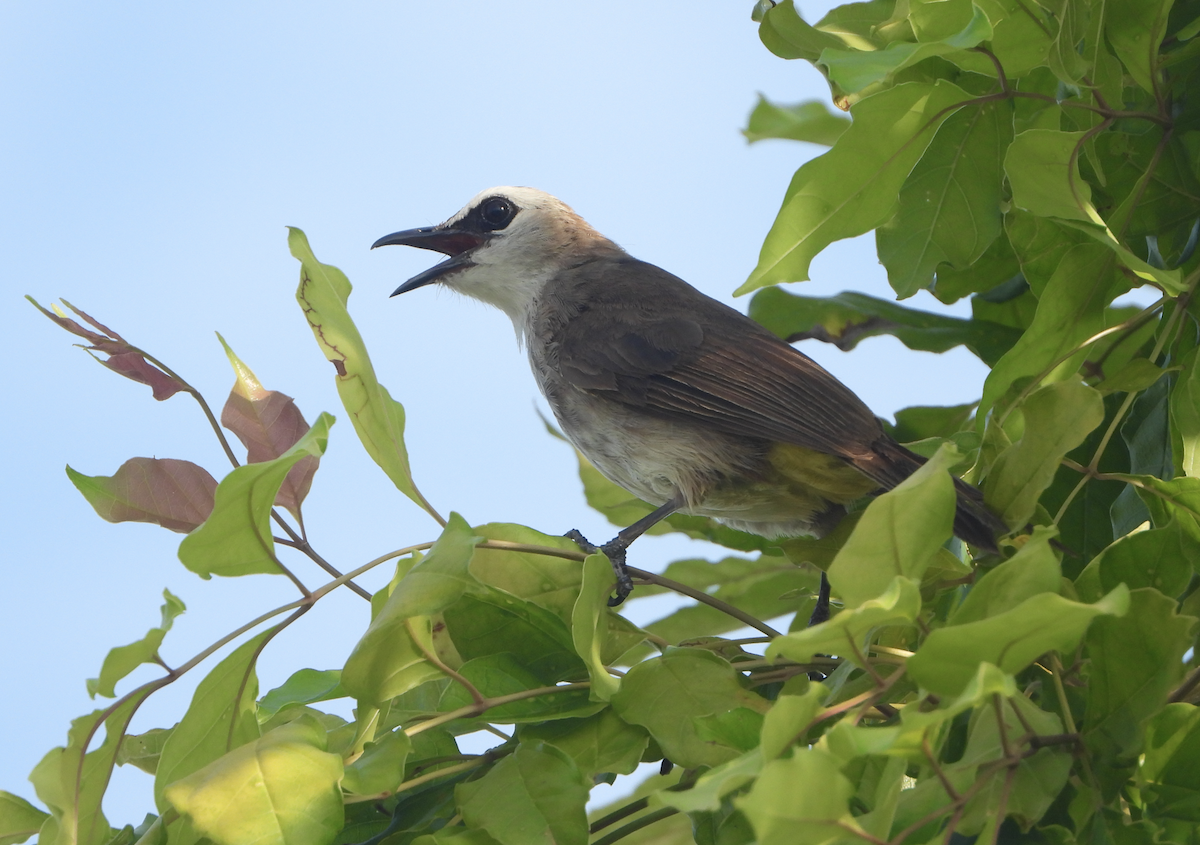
615	552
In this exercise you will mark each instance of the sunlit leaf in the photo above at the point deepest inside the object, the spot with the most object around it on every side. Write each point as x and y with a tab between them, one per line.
378	419
281	789
120	661
809	121
236	538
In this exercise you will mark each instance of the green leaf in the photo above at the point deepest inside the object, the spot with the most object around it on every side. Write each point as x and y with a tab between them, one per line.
949	209
1160	558
848	318
1033	570
712	786
1035	782
765	588
899	533
387	662
1185	413
809	121
843	634
178	495
854	70
281	789
1020	38
798	800
220	718
951	656
493	623
1170	776
71	783
1135	28
236	538
380	768
142	751
1070	310
667	694
1043	169
1136	661
1134	377
501	674
852	188
547	581
305	686
122	660
590	622
536	795
789	36
19	819
378	419
598	743
1058	417
790	715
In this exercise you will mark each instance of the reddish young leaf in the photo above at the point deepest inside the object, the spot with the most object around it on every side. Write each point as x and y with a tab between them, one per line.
174	494
124	359
268	423
136	368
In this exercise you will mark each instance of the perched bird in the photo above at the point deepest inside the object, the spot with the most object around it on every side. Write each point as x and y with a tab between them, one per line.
679	399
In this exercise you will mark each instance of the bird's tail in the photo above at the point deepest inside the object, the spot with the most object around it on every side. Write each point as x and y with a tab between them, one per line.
890	463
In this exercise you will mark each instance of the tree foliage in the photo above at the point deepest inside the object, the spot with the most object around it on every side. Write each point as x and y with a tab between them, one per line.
1041	157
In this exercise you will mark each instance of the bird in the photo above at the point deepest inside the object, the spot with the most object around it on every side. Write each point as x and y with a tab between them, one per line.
680	399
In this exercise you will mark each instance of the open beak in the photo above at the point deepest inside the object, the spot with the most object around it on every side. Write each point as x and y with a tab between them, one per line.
456	243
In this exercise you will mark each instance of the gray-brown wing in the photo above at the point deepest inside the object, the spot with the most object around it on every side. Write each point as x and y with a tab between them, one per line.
646	338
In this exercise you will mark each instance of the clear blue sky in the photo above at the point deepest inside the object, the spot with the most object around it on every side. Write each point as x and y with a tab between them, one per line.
153	154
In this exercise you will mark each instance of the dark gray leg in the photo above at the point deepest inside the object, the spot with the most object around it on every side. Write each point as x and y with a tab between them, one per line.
615	548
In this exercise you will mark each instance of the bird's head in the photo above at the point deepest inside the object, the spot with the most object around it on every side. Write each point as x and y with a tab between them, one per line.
503	246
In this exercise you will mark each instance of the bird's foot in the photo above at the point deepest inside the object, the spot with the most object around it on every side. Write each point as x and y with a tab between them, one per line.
614	550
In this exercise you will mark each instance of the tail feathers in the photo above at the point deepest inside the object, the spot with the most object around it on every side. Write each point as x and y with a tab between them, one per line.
890	463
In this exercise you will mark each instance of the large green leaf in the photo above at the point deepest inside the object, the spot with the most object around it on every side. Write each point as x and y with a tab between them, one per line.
950	657
599	743
949	209
281	789
852	188
1136	660
1135	28
220	718
1058	417
899	533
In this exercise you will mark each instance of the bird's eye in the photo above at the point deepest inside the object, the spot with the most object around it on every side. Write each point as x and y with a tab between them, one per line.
497	213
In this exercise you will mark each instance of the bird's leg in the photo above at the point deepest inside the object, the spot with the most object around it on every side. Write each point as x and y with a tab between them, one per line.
820	614
615	548
821	611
